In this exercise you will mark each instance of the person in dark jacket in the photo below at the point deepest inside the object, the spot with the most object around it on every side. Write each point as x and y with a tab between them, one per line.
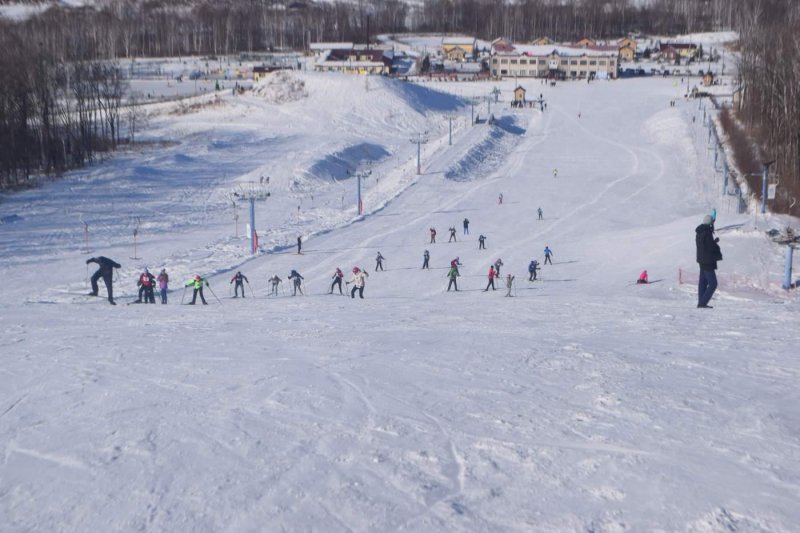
106	271
337	280
466	226
481	242
297	280
425	258
146	284
708	253
240	280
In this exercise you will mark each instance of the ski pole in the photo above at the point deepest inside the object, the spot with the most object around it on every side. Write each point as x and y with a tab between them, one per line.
212	292
184	294
252	292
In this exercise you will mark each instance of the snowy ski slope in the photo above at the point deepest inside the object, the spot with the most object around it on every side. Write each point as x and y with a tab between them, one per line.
582	403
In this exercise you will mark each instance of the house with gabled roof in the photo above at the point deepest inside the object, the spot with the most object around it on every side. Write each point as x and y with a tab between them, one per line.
554	62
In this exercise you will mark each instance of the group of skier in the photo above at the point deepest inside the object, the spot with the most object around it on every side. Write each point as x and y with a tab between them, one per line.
708	254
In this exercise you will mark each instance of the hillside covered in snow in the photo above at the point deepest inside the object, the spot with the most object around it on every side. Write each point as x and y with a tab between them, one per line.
582	402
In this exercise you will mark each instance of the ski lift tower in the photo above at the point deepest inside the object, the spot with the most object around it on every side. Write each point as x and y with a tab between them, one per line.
251	191
361	174
419	139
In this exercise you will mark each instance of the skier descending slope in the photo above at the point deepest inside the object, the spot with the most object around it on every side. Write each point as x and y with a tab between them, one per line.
481	242
509	284
239	278
497	265
547	255
106	271
426	257
433	236
532	267
197	283
274	281
452	238
359	280
453	275
337	281
297	280
379	262
492	274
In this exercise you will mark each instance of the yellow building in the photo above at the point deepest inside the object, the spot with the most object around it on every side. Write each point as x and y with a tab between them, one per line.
542	40
519	94
467	44
584	42
627	53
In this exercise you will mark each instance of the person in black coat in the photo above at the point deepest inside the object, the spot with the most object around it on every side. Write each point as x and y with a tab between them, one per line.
106	271
708	253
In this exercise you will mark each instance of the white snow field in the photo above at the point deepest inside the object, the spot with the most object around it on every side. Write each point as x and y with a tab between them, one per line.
581	403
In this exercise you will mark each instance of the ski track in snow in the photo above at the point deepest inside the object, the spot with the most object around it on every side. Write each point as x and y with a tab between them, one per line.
582	404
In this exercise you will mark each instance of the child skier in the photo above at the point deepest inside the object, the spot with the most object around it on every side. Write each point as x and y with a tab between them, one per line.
532	267
547	255
509	284
274	281
481	242
239	278
163	284
297	279
452	234
359	280
197	282
492	275
379	262
433	236
497	265
146	283
425	258
453	275
337	280
106	271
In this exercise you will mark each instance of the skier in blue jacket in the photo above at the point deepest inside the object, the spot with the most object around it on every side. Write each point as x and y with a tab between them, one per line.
547	255
532	269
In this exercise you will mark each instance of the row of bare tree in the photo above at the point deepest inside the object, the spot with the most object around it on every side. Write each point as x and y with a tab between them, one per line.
769	103
54	115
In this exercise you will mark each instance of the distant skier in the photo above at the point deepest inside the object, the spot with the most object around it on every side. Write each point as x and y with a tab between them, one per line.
481	242
452	234
299	244
274	281
555	172
532	268
509	284
379	262
541	213
497	265
453	275
197	283
337	280
466	226
426	257
163	284
146	283
642	278
492	275
297	280
548	253
500	198
359	280
433	236
455	263
106	271
708	253
239	278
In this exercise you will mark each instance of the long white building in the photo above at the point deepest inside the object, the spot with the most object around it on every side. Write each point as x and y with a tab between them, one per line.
553	61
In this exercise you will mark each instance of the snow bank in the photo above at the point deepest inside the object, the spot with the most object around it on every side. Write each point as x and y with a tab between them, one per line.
279	87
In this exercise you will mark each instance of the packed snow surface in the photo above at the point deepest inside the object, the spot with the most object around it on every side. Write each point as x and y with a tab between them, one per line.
583	402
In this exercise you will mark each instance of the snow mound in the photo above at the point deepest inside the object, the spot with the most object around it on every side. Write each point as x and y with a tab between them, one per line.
280	87
480	160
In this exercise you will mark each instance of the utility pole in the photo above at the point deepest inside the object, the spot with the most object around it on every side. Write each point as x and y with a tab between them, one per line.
450	119
419	139
252	192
